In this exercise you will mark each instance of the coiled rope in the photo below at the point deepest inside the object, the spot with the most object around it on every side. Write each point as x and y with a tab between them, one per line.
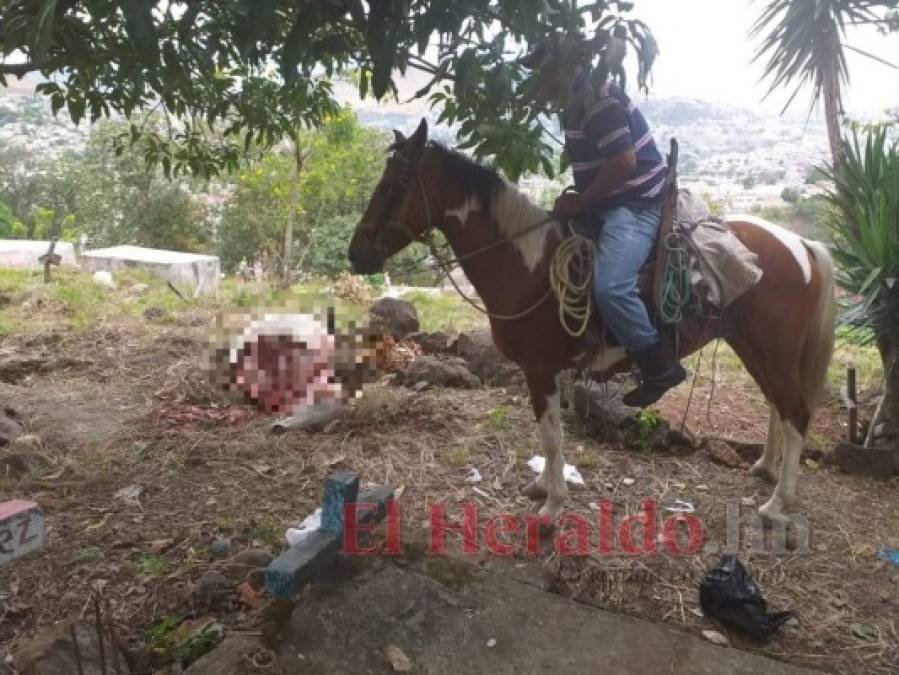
676	291
571	279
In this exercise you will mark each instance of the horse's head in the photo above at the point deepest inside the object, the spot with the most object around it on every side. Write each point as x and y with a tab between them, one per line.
394	217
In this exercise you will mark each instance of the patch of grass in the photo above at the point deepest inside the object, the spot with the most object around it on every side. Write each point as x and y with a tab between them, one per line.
267	531
498	419
459	456
156	635
152	564
588	459
444	311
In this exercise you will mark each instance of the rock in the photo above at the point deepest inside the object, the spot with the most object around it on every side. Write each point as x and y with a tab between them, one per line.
595	403
139	289
432	343
10	429
721	452
394	316
438	371
213	586
751	451
154	313
233	655
220	547
18	464
880	463
53	653
253	557
398	660
485	360
239	566
28	442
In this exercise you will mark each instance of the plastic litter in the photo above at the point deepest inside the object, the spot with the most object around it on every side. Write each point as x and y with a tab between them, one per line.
729	594
890	555
569	472
680	506
310	524
474	476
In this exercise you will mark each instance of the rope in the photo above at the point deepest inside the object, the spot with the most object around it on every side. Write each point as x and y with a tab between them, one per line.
676	291
571	280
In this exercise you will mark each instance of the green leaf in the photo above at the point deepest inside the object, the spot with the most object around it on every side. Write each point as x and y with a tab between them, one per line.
140	27
43	30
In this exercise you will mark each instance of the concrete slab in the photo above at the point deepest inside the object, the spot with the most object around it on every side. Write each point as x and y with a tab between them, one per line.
25	253
202	272
449	621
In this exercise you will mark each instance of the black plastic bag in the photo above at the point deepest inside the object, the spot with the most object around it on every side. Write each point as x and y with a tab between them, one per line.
728	594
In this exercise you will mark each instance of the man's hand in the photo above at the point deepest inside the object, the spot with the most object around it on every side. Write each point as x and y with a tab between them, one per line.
569	205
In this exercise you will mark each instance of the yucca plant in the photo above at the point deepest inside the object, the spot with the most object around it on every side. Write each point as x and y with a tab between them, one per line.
865	223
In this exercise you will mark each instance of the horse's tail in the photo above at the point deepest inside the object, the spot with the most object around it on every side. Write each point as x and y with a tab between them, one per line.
820	339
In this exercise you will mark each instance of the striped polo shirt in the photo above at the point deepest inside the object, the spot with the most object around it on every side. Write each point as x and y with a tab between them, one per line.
611	126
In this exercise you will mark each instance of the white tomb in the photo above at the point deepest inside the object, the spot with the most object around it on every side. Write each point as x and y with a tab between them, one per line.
26	253
202	272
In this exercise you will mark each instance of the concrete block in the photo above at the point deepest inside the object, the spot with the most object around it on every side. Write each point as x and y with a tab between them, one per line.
21	529
201	272
341	487
301	563
305	561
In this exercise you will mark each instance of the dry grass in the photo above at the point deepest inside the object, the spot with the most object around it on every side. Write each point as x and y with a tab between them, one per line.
130	408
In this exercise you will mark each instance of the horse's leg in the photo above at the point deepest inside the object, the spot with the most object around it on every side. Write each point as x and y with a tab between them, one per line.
545	399
785	490
766	466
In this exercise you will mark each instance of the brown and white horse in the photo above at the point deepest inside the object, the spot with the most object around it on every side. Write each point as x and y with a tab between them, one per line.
782	329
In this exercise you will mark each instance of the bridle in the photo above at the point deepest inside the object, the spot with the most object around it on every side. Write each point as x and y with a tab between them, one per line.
426	237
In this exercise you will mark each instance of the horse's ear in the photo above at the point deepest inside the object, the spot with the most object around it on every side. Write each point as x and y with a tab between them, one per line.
398	137
421	134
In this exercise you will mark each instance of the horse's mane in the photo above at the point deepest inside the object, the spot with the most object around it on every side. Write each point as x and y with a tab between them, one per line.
477	180
511	208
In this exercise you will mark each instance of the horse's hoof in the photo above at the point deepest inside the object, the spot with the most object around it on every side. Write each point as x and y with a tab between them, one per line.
534	491
761	470
773	513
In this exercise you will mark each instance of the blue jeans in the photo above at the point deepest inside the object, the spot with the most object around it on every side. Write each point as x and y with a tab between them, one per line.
627	237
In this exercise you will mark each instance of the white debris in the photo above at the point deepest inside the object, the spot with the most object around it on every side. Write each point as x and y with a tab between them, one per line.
569	472
715	636
681	507
748	501
130	495
104	278
310	524
628	481
491	643
474	476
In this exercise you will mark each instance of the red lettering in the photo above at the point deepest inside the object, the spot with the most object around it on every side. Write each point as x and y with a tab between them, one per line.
573	541
695	534
647	521
468	527
502	523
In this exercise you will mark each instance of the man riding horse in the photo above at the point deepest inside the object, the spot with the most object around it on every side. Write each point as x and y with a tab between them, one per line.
620	178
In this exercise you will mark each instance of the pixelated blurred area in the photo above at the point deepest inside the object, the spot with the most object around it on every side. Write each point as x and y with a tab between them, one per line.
286	362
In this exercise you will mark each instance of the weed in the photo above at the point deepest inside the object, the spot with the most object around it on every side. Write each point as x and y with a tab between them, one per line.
498	419
459	456
266	531
152	564
648	420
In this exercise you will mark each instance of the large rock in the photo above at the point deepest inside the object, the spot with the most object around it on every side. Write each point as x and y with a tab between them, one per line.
880	463
485	360
602	405
440	372
10	429
437	342
52	653
396	317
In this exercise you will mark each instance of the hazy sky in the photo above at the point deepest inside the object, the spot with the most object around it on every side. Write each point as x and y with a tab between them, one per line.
706	53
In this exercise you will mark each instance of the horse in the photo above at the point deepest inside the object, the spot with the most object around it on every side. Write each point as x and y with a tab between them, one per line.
782	329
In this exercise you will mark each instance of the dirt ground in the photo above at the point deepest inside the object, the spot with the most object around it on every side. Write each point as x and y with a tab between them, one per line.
121	409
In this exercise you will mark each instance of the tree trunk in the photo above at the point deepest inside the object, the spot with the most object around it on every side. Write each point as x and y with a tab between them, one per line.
833	111
298	157
889	408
